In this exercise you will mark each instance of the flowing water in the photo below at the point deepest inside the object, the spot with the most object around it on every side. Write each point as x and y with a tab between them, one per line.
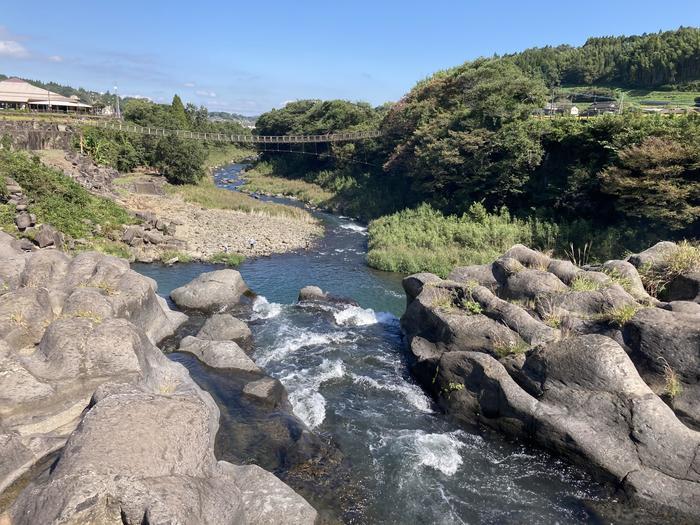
345	370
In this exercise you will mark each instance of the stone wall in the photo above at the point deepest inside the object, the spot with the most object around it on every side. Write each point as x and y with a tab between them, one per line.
33	135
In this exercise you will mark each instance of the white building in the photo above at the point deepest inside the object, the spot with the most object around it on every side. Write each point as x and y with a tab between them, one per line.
16	93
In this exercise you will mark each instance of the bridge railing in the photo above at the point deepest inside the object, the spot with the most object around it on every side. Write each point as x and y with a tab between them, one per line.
249	139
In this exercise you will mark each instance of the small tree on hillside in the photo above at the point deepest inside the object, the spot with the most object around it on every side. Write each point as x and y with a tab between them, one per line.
180	161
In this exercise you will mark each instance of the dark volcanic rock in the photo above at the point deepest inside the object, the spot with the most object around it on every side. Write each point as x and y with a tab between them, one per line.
520	368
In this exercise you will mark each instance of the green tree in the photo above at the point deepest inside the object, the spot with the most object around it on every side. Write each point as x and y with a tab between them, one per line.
177	108
180	161
657	181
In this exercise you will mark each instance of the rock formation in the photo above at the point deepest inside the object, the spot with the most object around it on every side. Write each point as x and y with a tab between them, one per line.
582	361
132	433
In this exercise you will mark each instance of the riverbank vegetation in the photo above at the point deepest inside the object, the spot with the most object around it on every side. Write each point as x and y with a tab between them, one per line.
261	179
206	194
179	160
61	202
467	135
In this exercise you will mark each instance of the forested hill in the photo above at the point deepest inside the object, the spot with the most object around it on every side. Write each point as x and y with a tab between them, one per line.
644	61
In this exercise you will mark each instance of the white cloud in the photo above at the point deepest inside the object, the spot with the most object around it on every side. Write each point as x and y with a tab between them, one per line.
189	84
56	58
13	49
203	93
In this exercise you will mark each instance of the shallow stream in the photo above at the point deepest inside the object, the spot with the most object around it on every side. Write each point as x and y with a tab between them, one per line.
347	378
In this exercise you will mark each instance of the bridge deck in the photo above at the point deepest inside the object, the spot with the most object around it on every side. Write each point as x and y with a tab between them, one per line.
248	139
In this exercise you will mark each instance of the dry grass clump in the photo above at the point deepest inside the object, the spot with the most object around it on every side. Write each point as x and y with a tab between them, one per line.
673	386
684	259
581	283
621	315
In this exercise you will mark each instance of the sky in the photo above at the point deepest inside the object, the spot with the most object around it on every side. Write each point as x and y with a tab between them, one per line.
249	57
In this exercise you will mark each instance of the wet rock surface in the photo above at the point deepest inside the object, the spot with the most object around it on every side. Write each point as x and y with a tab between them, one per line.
134	435
582	361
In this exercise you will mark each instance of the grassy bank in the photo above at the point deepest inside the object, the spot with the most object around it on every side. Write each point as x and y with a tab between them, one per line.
58	200
207	195
261	179
220	154
423	239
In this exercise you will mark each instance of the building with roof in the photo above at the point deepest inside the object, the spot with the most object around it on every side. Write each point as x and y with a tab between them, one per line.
602	108
16	93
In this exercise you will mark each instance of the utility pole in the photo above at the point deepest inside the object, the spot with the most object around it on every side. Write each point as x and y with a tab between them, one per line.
116	95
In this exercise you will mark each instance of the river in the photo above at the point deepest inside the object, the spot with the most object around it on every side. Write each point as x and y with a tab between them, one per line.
347	378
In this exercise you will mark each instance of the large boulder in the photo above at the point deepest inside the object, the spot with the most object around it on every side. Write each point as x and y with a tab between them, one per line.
316	294
684	288
583	398
662	338
219	354
211	291
653	256
225	327
581	346
134	435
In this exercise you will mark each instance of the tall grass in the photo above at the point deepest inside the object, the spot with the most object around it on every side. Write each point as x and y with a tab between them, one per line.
219	154
208	195
261	179
424	239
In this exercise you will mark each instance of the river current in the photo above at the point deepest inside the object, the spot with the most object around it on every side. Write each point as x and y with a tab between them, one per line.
347	377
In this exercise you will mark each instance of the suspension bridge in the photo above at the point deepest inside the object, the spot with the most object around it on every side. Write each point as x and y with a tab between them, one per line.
240	139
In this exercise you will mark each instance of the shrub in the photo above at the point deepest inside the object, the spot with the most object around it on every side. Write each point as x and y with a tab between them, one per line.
229	259
471	306
169	255
59	200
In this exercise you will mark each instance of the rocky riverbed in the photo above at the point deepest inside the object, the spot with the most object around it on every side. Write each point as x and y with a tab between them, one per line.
97	425
579	360
206	231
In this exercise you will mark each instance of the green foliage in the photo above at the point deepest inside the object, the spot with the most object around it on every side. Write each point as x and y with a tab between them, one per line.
7	218
451	387
503	348
180	117
463	135
229	259
169	255
582	283
58	200
424	239
673	386
621	315
648	60
207	195
471	306
657	180
260	179
180	161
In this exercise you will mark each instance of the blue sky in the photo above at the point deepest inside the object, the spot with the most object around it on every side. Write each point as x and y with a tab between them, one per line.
248	57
